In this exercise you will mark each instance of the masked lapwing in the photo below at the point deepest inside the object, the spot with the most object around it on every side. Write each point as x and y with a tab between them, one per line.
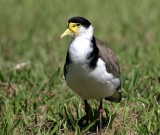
91	69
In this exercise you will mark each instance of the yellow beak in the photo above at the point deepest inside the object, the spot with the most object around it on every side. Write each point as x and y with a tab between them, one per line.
67	32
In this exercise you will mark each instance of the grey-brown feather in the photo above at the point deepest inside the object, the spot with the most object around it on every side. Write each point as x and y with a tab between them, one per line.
112	66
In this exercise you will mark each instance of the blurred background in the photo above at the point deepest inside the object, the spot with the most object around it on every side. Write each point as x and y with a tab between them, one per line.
30	30
32	54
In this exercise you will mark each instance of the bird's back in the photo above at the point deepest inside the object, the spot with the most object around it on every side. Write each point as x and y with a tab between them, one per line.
112	66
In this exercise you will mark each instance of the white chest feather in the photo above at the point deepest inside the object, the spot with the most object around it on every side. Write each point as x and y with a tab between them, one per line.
79	49
89	83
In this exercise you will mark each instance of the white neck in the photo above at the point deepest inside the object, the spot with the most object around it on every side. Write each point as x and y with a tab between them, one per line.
81	45
85	33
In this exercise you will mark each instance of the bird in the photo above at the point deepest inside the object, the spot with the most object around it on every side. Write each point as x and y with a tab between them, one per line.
91	68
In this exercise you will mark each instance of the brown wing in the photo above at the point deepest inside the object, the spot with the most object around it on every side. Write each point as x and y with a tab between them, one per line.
112	66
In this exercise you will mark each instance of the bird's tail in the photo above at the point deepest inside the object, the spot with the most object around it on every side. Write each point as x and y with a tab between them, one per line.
116	97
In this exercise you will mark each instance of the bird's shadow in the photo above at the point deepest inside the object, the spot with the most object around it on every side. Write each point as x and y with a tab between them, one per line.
79	121
94	122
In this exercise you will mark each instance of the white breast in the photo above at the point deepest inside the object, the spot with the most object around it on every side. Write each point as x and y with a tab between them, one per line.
79	49
91	84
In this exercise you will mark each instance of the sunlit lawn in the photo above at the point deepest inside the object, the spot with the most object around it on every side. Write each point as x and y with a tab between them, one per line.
34	98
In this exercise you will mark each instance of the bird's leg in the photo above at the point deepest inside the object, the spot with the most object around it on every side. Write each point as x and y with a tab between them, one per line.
86	110
100	114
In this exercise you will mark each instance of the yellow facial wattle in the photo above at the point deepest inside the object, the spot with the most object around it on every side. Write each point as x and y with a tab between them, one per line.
72	28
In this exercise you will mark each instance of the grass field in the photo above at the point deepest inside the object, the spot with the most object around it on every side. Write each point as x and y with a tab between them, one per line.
34	98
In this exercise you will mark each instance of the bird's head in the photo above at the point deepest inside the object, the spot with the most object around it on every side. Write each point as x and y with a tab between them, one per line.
78	26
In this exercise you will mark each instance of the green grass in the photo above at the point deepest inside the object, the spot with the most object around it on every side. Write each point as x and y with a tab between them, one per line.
34	98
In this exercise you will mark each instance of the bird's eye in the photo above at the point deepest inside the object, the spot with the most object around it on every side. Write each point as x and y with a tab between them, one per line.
78	24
